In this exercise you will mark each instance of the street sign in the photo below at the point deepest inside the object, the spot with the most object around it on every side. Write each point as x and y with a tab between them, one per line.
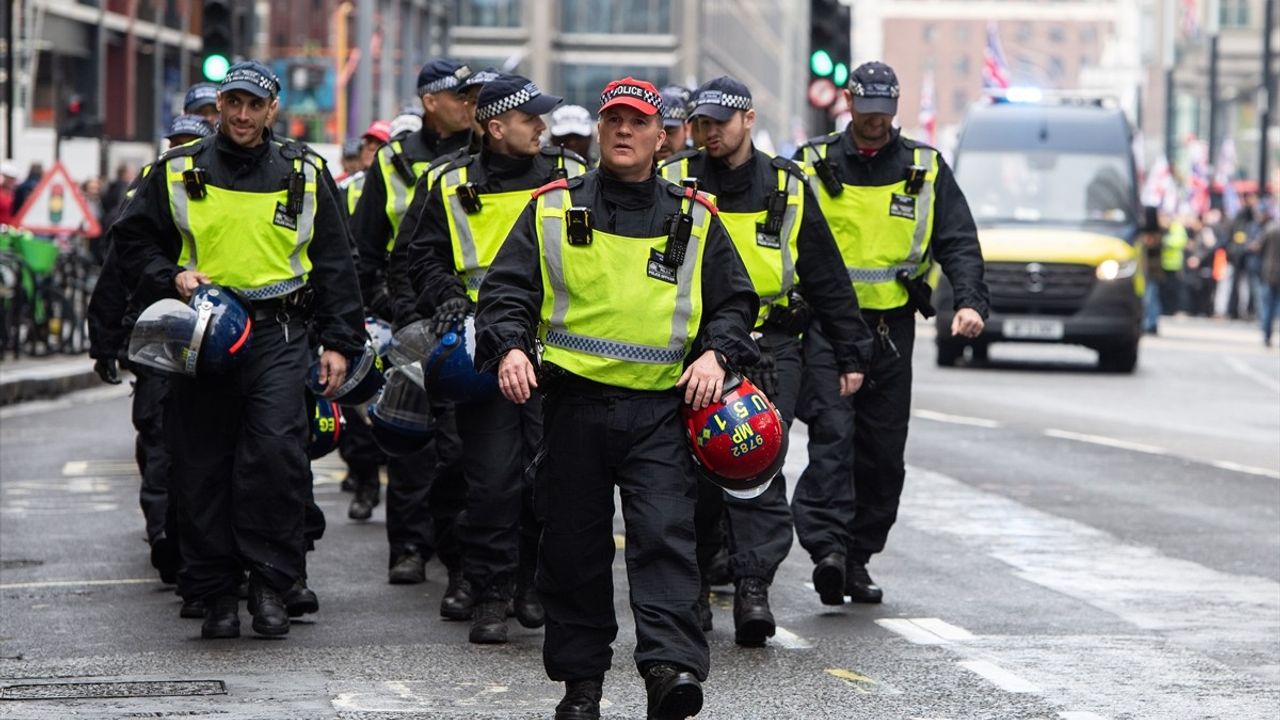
57	207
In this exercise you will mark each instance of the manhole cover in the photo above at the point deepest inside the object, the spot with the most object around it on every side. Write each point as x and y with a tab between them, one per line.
91	690
19	563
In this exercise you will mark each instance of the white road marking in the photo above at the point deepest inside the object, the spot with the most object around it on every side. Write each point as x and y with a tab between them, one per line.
926	631
76	583
956	419
1253	374
790	640
943	629
1249	469
1107	441
1079	715
1002	678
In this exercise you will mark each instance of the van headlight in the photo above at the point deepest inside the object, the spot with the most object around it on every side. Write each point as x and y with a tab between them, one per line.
1117	270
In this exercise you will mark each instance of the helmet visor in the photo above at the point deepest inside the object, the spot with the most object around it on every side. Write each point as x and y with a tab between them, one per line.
412	343
163	337
403	404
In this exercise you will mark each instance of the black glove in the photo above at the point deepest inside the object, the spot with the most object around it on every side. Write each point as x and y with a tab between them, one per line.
106	369
380	303
449	314
764	374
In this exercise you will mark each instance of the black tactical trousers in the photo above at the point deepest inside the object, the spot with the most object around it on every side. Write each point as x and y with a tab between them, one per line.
426	492
498	440
150	388
847	498
598	437
240	468
359	451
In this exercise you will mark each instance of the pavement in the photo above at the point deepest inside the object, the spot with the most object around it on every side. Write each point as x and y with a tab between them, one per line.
1072	545
26	378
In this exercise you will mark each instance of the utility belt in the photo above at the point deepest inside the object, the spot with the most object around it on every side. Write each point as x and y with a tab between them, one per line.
790	319
296	304
555	381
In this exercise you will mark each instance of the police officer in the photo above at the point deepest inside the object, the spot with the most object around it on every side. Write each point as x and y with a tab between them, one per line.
599	272
260	216
675	121
782	236
894	207
572	128
465	220
389	189
202	100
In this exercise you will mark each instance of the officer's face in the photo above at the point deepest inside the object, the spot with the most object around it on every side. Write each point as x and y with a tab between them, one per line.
722	138
368	151
243	116
870	130
516	133
452	112
208	112
675	142
628	140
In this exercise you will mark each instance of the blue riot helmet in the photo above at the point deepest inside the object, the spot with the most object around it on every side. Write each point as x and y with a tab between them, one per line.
380	334
451	371
401	417
327	424
208	335
364	378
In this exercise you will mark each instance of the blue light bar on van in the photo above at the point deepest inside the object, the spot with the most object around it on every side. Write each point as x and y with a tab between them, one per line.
1023	95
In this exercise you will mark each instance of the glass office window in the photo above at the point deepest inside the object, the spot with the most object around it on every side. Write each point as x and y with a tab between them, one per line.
486	13
644	17
581	84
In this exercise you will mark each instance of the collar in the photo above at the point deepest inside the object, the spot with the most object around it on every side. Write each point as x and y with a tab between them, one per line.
505	166
851	149
628	195
255	154
733	181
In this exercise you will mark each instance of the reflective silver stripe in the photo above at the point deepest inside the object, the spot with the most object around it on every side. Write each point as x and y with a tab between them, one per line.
789	219
684	281
925	203
613	349
883	275
572	168
274	290
461	226
474	279
399	193
204	313
181	206
306	222
552	250
674	172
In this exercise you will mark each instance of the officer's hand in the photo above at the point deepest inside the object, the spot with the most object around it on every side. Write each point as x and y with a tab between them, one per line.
703	381
106	369
850	383
449	314
333	370
516	377
188	280
967	323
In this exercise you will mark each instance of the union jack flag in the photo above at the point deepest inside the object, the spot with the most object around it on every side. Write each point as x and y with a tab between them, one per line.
995	71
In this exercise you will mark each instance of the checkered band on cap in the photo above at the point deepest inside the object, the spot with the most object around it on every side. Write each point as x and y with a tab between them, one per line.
481	77
510	102
873	89
448	82
635	91
724	99
266	82
675	112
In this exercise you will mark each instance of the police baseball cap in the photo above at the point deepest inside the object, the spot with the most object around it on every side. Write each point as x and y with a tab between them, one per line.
442	74
638	94
571	120
200	95
191	125
479	79
352	148
379	130
252	77
513	92
874	87
675	105
720	98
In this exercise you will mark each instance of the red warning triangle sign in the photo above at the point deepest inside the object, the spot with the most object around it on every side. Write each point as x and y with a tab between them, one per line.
57	207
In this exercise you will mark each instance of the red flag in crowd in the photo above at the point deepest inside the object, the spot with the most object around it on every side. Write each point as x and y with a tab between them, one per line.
995	71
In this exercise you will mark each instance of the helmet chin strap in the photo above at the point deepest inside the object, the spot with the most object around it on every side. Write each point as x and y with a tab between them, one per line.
197	337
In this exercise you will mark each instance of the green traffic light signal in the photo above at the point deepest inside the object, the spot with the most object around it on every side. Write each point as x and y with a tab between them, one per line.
215	67
820	63
840	75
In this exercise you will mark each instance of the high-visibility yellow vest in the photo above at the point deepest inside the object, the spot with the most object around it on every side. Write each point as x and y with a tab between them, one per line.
353	186
244	240
399	193
879	229
1173	248
770	260
608	314
477	238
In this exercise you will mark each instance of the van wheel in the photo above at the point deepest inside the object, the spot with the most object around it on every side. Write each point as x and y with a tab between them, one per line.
1121	359
949	353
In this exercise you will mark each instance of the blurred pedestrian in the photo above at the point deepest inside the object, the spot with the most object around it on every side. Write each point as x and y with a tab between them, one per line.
91	190
26	187
1151	237
1243	252
8	181
1269	304
113	196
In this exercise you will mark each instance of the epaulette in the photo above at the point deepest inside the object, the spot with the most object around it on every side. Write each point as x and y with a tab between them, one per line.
786	165
455	159
555	151
824	140
190	149
702	198
561	184
298	150
689	153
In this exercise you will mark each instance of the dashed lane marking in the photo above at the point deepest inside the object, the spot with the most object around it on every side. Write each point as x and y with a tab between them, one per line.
1107	441
1253	374
956	419
926	631
790	640
1079	715
1000	677
1248	469
76	583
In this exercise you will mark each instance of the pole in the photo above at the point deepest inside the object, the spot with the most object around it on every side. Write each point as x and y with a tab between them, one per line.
10	96
1170	63
363	111
1268	92
1213	100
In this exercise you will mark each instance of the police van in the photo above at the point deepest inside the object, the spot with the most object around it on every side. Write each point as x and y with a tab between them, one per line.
1052	186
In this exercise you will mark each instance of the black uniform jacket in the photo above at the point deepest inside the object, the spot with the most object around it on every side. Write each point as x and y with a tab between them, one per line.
511	294
147	243
371	227
954	243
824	281
112	310
427	240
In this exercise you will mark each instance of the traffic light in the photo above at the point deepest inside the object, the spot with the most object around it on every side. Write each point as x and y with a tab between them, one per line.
829	51
75	121
215	57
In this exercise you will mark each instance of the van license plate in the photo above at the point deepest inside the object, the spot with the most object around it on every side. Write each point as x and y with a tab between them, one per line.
1025	329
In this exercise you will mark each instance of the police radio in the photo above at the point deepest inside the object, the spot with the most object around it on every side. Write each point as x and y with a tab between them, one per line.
680	226
297	191
827	174
775	210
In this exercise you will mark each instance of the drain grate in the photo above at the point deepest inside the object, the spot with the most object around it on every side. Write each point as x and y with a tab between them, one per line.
96	690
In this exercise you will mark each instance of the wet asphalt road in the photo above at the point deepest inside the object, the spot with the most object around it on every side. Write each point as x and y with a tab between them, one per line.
1071	545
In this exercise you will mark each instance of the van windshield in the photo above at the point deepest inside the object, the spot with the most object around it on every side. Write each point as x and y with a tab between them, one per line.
1046	186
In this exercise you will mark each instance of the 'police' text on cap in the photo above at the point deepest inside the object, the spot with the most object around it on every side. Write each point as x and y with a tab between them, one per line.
252	77
638	94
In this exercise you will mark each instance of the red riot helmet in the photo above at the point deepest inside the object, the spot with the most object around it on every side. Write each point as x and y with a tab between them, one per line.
739	442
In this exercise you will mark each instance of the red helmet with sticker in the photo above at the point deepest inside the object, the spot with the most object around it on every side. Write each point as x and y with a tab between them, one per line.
740	442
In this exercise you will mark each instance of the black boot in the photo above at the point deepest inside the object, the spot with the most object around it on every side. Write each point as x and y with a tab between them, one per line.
528	608
349	483
408	569
859	586
458	601
674	694
828	579
752	619
581	700
489	623
221	618
366	499
301	600
270	616
192	609
704	607
718	568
